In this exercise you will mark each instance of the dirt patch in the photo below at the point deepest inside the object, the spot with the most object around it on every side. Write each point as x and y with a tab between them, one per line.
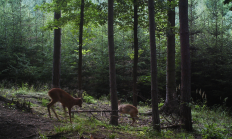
17	124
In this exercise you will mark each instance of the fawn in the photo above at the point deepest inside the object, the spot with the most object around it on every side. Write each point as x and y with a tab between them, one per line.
59	95
128	109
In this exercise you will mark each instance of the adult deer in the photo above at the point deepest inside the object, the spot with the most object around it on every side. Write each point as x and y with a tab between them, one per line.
59	95
128	109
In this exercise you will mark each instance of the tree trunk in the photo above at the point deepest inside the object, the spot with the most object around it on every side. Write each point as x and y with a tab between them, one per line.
56	54
80	49
185	66
171	105
154	86
135	103
113	93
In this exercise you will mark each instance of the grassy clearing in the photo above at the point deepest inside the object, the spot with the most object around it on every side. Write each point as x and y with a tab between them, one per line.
208	122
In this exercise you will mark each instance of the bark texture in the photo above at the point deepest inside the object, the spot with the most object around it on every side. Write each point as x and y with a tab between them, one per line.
171	105
113	92
186	117
56	54
80	48
154	86
135	93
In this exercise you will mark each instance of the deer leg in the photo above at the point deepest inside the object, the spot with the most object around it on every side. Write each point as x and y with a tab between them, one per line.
69	112
50	105
133	118
54	112
65	113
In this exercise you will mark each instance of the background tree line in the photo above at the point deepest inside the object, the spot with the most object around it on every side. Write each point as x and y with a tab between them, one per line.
26	47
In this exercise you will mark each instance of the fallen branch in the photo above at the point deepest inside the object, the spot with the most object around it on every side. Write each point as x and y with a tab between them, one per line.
95	116
172	126
146	114
95	111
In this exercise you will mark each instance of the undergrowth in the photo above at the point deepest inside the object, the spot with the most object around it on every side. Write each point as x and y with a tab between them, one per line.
212	122
208	122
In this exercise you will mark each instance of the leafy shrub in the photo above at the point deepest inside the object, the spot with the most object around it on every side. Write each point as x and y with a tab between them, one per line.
213	131
44	102
88	99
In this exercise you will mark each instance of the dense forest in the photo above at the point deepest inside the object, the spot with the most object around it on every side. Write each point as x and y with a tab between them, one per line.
26	47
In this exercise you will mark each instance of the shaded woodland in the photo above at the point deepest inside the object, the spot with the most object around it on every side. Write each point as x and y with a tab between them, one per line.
90	45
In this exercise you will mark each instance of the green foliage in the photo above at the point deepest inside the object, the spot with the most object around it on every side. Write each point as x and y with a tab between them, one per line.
42	136
64	129
209	57
214	122
69	10
22	48
161	103
131	55
88	99
112	136
213	131
26	49
44	102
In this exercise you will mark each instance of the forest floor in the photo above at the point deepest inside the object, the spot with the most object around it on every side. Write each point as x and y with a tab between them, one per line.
15	123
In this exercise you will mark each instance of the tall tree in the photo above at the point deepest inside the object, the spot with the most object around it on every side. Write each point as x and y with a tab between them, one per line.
80	48
170	102
154	86
113	92
186	117
56	53
135	53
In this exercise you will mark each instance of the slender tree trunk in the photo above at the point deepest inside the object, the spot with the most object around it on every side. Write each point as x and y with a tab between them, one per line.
135	53
80	48
154	85
185	66
171	73
113	93
56	54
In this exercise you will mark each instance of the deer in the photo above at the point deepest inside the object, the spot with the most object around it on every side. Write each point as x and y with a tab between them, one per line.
128	109
59	95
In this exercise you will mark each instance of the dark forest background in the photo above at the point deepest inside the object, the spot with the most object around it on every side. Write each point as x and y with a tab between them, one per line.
26	48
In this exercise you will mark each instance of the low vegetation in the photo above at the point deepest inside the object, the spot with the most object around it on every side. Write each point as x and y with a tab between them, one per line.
213	122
